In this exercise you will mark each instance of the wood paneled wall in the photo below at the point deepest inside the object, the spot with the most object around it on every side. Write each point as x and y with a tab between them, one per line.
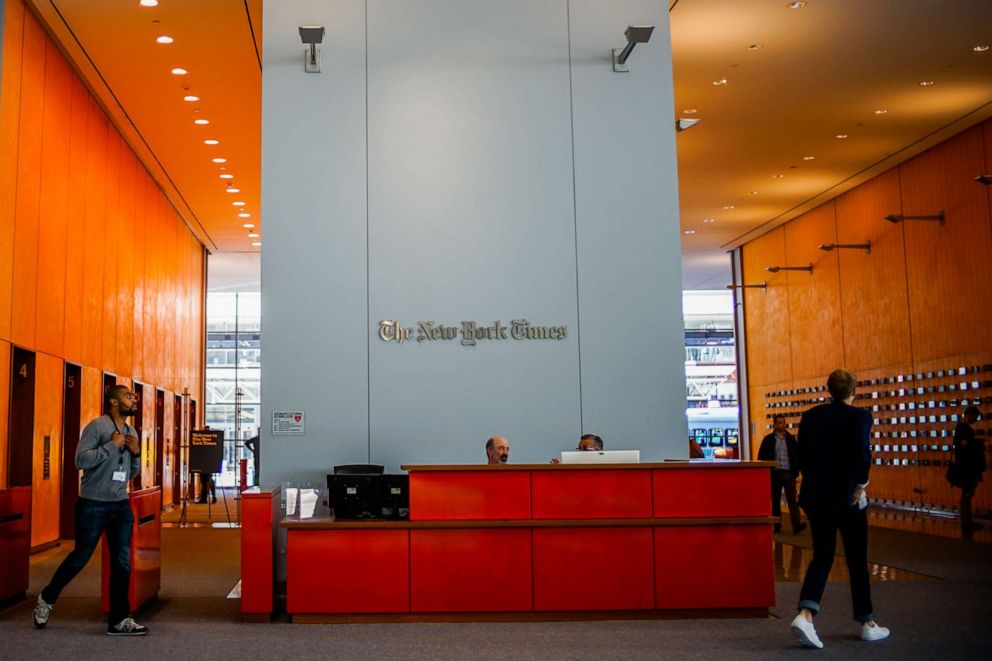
96	268
919	302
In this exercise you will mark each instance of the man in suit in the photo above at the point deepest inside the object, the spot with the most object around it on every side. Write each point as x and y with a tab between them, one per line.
834	459
780	447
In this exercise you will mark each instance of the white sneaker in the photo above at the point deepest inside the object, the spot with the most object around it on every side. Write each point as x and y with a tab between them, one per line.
871	632
806	633
42	611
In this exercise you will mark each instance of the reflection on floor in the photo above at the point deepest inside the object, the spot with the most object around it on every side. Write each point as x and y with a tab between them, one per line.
222	514
791	562
929	523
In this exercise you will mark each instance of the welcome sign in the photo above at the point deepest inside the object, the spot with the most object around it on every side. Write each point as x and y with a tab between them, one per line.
469	333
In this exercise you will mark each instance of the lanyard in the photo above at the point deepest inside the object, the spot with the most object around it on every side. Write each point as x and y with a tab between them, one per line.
120	457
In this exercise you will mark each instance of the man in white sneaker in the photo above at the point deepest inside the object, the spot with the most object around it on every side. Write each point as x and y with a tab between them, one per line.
109	454
834	459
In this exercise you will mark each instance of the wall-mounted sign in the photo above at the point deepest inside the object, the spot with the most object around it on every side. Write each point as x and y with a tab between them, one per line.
469	333
286	423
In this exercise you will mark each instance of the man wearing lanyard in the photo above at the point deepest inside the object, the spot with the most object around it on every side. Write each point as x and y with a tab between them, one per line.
109	454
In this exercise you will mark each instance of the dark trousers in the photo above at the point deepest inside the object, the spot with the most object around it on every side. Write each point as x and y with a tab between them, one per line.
967	493
784	480
93	518
824	523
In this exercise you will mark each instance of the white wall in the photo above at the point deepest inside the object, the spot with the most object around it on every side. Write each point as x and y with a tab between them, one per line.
468	160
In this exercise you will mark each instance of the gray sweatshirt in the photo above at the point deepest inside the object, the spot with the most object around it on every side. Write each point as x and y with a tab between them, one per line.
99	459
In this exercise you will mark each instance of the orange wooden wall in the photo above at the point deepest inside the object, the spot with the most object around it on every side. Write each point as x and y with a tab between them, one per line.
96	268
921	301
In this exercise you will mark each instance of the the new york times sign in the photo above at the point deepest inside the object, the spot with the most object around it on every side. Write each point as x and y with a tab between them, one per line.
469	333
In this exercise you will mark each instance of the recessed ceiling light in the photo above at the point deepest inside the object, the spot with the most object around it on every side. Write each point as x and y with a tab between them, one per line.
780	175
808	158
248	226
179	71
257	244
841	136
190	97
211	142
880	111
709	220
237	204
252	235
689	111
232	189
728	206
796	5
244	214
981	48
926	83
689	232
755	46
754	192
227	176
219	160
722	81
201	122
164	39
149	3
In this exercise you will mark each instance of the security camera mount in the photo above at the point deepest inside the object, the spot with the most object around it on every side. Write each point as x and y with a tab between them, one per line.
636	34
312	36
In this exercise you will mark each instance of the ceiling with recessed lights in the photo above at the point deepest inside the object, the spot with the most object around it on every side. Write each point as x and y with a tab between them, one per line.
773	88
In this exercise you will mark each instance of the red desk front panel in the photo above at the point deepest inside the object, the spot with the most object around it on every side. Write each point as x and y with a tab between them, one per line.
593	569
469	496
700	492
605	494
471	570
259	516
15	542
714	567
146	550
348	571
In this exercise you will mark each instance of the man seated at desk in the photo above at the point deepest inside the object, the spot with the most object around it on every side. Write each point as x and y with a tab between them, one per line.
497	450
588	442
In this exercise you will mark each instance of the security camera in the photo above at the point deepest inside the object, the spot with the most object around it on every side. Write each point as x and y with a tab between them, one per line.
683	123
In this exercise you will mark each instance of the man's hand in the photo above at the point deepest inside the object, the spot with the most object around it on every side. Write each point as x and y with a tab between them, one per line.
857	496
117	439
131	442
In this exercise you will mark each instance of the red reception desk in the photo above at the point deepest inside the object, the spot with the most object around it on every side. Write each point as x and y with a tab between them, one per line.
546	542
146	550
15	543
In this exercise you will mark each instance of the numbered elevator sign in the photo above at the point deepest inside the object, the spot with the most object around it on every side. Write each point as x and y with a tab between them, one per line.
288	423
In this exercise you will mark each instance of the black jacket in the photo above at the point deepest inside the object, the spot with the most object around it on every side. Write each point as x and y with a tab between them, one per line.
834	454
766	452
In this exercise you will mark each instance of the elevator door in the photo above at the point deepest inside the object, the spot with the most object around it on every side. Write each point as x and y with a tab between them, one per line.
138	423
20	444
159	436
71	406
177	440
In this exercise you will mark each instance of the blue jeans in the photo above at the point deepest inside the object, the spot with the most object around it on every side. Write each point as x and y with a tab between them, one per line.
825	522
93	518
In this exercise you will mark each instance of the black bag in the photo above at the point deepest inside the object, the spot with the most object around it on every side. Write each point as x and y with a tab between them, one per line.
955	476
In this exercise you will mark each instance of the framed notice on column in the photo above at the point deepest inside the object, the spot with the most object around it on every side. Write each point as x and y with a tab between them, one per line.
206	450
288	423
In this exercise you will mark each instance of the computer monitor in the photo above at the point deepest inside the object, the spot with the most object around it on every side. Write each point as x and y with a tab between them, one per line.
601	457
354	496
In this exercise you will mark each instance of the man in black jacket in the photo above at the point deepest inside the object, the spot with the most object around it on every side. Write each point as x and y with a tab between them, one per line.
834	459
780	447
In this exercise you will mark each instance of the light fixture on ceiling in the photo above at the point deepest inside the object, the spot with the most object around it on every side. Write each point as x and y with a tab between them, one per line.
257	244
164	39
776	269
232	189
211	141
827	247
244	214
191	98
780	175
880	111
179	71
985	179
219	160
226	175
797	4
755	47
252	235
808	158
636	34
148	3
760	285
841	136
721	81
709	221
754	192
728	206
248	226
898	217
201	122
237	204
926	83
689	232
312	36
980	48
683	123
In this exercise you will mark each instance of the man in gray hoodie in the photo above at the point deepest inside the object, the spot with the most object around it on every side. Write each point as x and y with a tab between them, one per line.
109	454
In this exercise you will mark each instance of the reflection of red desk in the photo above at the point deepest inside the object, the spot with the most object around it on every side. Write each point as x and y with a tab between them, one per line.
146	550
15	542
547	541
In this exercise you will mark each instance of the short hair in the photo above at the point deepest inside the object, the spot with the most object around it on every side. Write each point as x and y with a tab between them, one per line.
490	443
777	417
973	410
840	383
595	439
114	392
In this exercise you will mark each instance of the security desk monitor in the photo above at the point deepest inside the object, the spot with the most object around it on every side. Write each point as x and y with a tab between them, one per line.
354	495
601	457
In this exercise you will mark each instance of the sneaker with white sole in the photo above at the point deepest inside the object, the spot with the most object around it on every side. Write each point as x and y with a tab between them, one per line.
805	632
872	632
42	611
127	627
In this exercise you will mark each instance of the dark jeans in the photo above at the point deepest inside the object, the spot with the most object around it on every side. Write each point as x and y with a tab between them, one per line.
93	518
784	480
824	522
